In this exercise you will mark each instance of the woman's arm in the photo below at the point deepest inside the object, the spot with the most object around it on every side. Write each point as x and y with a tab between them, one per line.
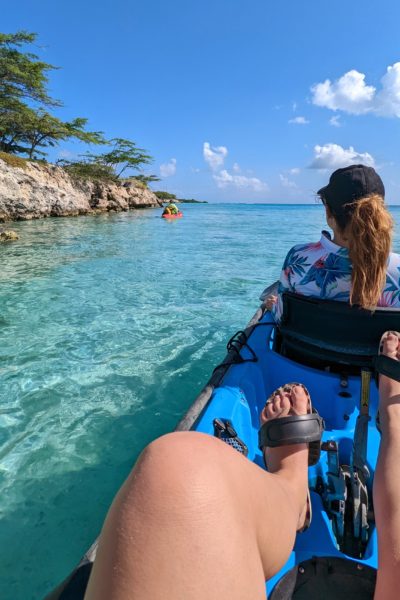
284	286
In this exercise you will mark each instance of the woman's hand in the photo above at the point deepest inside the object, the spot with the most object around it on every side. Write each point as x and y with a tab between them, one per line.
270	302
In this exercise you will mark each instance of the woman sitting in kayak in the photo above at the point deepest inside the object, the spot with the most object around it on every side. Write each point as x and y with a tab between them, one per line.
171	209
355	266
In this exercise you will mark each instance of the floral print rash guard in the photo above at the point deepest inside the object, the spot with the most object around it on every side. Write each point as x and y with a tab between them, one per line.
323	270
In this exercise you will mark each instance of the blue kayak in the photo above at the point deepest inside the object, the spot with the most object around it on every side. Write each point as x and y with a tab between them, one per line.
333	350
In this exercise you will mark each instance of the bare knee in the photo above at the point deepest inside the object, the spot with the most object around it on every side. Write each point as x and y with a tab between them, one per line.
178	456
176	472
185	492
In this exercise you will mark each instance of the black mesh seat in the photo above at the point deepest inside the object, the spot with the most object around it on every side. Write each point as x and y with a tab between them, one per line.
326	578
326	333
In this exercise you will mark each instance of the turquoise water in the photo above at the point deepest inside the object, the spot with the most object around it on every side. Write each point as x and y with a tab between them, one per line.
109	327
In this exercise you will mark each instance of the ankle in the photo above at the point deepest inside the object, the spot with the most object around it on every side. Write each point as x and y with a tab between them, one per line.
292	459
295	487
293	465
388	388
296	477
389	416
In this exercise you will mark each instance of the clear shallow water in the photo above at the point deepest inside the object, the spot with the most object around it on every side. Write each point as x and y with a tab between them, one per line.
109	327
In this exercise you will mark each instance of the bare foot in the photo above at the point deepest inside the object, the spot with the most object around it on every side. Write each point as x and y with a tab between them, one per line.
390	344
290	461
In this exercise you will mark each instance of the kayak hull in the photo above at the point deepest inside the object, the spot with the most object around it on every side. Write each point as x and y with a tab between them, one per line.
178	216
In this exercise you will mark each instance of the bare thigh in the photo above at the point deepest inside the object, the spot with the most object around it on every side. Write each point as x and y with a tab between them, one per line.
194	519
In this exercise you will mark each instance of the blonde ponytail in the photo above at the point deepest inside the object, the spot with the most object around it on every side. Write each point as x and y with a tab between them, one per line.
368	230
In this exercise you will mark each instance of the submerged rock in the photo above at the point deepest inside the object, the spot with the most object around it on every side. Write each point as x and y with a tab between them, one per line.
8	235
45	190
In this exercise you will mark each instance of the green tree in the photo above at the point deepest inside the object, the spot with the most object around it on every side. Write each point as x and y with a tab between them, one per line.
28	131
26	127
13	119
146	179
42	130
87	170
110	165
124	155
165	195
22	75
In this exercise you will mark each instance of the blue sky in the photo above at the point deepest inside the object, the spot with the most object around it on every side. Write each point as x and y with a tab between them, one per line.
236	101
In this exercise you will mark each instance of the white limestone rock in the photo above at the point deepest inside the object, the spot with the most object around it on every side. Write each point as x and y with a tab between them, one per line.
45	190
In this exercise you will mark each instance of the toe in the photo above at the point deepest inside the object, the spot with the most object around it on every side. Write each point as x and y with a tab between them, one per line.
286	404
273	407
300	400
269	410
390	344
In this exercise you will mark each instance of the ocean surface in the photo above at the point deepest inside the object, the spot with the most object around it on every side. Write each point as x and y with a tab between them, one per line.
109	328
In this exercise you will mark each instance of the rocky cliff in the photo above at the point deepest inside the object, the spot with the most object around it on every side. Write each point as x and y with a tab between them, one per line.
43	190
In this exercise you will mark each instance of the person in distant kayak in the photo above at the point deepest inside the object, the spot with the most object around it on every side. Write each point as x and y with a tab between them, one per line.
356	265
171	209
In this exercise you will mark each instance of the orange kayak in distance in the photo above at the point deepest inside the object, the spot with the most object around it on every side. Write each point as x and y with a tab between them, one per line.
178	216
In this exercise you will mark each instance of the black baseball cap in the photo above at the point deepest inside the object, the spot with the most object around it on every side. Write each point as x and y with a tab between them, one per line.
350	184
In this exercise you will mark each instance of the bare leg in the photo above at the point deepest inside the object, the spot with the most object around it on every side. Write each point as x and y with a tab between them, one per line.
387	483
196	520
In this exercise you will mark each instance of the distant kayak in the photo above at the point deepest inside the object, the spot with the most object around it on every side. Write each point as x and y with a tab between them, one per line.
177	216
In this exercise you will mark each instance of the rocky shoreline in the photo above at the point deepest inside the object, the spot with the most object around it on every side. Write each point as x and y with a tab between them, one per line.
39	190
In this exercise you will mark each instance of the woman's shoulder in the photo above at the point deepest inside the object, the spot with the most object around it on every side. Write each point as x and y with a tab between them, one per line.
393	265
307	248
394	260
302	254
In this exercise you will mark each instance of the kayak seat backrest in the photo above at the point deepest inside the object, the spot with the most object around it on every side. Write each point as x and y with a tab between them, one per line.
325	333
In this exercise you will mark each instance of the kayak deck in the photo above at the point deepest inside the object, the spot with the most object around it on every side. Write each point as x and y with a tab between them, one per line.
241	399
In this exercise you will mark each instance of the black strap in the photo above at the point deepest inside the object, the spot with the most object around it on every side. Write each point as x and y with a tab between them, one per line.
387	366
294	429
224	430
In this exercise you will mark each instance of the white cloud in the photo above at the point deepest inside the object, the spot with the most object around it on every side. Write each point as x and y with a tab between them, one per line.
214	156
299	121
388	98
333	156
294	106
169	168
294	171
335	121
351	94
285	181
224	179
